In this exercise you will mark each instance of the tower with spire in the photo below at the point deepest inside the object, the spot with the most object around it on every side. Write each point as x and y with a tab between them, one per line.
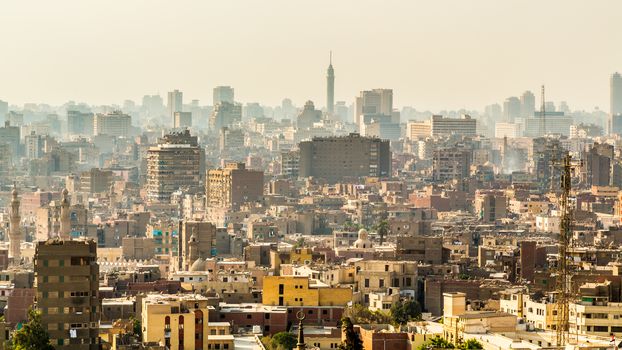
330	87
15	231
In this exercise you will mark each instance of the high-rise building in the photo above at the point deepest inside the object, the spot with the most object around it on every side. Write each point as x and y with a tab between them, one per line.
225	114
223	94
4	110
544	152
231	139
10	135
465	125
67	289
175	163
79	123
615	98
175	102
336	159
527	104
15	230
511	108
598	163
330	87
374	102
451	164
35	145
112	124
233	186
182	119
308	116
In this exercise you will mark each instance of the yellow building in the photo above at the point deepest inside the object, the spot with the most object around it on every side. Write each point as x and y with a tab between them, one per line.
596	316
180	322
302	291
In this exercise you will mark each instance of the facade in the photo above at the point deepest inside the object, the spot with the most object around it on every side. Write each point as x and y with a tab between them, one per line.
527	104
174	102
79	123
511	109
374	102
182	119
509	130
231	139
233	186
113	124
67	287
465	125
302	291
223	94
181	322
418	130
225	114
176	162
451	164
309	116
335	159
490	205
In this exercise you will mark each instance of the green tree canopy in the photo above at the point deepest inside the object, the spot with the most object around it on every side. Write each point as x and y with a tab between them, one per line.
32	335
352	340
283	341
404	311
436	343
471	344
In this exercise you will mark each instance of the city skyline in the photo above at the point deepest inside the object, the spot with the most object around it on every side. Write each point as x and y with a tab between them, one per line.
432	59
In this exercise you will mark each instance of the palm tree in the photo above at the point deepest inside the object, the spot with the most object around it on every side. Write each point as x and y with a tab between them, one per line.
383	229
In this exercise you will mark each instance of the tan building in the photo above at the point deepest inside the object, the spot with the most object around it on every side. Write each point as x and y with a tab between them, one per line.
113	124
95	180
181	322
373	276
490	205
464	125
67	291
418	130
182	119
233	185
334	159
457	321
177	162
302	291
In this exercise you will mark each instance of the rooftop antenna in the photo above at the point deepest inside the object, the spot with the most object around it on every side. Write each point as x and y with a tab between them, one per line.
330	59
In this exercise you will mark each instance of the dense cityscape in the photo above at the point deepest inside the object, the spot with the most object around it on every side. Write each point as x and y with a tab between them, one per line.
348	222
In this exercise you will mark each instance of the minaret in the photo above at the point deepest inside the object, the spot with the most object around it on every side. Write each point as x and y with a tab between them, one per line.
330	87
15	232
65	223
300	315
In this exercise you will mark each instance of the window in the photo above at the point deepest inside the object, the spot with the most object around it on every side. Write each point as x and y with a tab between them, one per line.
367	283
381	283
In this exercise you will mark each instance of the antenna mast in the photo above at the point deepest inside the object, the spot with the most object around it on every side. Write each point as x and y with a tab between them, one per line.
563	285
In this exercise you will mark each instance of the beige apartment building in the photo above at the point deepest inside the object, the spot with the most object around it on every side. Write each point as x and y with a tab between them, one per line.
113	124
233	185
373	276
181	322
176	162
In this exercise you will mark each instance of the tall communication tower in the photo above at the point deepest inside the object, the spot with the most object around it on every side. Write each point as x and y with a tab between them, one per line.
563	285
543	114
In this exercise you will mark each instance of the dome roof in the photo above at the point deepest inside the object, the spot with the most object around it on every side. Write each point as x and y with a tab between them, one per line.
198	265
363	240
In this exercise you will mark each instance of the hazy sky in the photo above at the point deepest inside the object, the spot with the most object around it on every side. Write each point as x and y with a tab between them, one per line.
434	54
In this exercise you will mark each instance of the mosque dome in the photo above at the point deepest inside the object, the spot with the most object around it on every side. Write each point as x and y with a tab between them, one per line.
363	241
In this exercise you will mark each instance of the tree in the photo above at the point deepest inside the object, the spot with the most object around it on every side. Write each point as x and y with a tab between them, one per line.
436	343
383	229
471	344
136	327
32	335
404	311
352	341
283	341
361	314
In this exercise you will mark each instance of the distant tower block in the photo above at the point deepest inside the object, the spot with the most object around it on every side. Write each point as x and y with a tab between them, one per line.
65	223
15	232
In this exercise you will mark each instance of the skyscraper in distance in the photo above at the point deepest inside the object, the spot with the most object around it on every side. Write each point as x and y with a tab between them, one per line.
527	104
174	103
615	100
330	87
223	94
